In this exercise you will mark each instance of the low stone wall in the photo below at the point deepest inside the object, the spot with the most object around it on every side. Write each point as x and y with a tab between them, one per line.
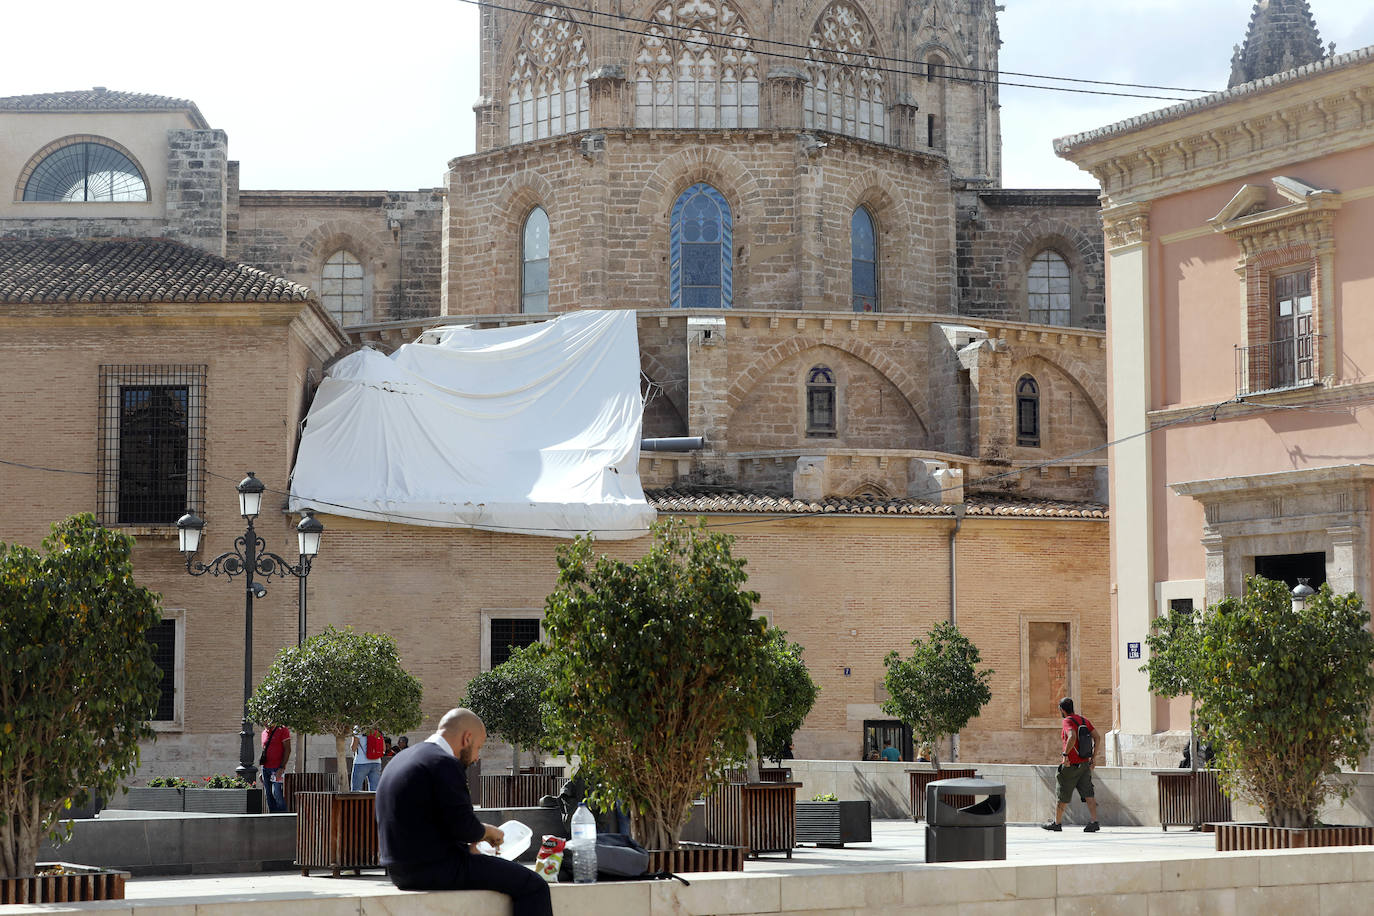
181	844
1126	796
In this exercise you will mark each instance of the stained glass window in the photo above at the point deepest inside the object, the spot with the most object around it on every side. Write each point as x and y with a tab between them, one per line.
863	246
1047	290
86	171
534	263
700	241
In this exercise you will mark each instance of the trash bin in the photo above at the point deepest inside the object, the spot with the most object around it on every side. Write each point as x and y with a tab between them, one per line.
975	833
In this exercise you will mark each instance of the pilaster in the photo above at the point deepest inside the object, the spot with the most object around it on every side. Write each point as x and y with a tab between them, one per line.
786	89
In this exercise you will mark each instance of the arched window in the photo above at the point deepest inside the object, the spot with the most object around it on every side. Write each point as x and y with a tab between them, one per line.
820	402
696	68
845	90
700	242
341	292
86	170
1027	412
548	81
863	254
1047	290
534	262
937	78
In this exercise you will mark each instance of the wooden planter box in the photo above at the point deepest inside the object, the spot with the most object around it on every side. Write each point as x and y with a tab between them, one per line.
1234	836
159	799
78	883
692	857
1186	801
337	831
831	824
775	774
307	782
520	791
224	801
921	778
761	816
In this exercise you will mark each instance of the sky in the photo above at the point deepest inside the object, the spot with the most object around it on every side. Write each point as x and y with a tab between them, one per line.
347	95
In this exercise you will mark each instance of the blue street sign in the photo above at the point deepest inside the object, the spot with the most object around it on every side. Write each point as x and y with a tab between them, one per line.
1133	650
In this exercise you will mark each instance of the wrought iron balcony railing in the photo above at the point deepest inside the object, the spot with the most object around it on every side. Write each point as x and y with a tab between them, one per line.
1277	365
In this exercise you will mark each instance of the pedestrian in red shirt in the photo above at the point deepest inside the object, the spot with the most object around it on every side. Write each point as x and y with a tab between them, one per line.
276	750
1076	767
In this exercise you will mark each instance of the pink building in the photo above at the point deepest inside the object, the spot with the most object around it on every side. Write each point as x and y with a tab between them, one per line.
1240	321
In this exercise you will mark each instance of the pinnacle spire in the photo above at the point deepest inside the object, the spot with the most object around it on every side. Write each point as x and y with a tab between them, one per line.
1282	36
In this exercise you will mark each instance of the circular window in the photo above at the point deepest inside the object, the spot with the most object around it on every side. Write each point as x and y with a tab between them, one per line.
86	171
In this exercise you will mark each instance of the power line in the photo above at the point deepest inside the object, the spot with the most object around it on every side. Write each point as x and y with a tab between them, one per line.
862	59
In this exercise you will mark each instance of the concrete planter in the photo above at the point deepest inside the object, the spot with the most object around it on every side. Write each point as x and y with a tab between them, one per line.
224	801
1236	836
159	799
75	883
831	824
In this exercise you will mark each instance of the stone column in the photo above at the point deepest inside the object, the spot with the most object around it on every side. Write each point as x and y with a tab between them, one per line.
607	88
1214	546
786	88
904	127
492	129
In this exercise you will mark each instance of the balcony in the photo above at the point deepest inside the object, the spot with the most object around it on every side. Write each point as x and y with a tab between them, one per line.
1277	366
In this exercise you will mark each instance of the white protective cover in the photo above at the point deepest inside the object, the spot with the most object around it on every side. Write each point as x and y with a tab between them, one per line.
530	430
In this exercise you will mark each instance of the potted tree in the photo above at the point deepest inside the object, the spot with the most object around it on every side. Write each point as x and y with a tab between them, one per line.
789	694
334	681
1286	686
936	692
654	678
509	698
79	685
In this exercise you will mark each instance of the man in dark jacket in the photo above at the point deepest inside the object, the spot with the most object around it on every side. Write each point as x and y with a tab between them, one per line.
427	826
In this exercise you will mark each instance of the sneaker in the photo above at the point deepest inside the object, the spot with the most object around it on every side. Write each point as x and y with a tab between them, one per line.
1092	828
1053	825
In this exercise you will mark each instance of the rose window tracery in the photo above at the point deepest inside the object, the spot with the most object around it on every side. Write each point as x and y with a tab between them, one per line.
696	68
845	92
548	81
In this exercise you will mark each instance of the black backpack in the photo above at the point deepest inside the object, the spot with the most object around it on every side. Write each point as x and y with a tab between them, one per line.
1085	747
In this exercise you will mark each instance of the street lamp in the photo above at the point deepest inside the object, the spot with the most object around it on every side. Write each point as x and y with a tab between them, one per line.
251	559
1301	593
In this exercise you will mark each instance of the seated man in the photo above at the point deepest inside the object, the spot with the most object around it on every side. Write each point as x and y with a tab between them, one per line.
427	827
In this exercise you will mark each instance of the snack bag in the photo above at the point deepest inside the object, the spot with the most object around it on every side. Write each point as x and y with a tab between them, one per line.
550	858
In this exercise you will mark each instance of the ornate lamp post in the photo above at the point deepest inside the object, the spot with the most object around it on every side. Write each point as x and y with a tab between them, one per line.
251	559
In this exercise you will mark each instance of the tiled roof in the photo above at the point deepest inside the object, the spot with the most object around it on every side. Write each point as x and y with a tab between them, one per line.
101	99
131	270
710	499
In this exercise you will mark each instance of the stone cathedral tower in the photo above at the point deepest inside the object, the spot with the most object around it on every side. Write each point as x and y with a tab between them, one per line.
1282	36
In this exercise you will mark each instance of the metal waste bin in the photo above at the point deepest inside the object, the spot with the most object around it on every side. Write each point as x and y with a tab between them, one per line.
975	833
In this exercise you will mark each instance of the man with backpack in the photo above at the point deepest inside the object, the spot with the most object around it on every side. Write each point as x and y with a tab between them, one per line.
1076	767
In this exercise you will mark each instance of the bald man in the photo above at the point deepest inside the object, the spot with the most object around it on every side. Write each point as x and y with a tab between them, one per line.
427	826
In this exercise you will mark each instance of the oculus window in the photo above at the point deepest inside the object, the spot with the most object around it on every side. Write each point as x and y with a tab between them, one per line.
1047	290
700	242
863	245
820	402
86	171
534	262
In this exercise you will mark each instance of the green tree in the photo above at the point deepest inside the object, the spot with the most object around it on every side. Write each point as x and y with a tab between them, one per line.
939	688
1175	666
654	669
789	693
1286	691
77	679
509	698
335	681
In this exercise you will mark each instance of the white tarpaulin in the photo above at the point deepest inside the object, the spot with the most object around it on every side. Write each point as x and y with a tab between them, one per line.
532	430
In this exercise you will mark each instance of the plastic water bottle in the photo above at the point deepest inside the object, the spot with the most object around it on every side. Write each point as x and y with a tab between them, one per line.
583	845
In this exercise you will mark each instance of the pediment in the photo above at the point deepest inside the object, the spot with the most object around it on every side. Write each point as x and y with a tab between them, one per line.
1250	206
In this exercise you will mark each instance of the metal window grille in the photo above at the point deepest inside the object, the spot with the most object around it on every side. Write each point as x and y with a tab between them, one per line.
1028	413
85	172
163	637
152	443
511	633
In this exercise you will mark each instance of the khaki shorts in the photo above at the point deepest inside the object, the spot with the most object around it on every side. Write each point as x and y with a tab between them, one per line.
1074	776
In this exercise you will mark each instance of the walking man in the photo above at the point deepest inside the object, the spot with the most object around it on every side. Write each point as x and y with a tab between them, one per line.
1076	767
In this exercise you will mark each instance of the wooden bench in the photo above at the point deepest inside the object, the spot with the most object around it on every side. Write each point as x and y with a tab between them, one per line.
921	778
337	831
1185	801
761	816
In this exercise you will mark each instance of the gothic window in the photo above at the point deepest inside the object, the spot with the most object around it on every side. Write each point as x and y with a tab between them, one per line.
696	68
85	170
937	77
700	245
1027	412
1047	290
845	91
820	402
548	82
534	263
341	288
863	246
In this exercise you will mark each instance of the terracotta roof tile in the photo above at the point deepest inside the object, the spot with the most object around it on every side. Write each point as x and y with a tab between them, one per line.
101	99
702	499
131	270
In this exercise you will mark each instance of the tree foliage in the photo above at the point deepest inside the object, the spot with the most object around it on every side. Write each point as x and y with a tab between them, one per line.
788	691
1287	693
655	669
1175	666
509	698
77	679
939	688
335	681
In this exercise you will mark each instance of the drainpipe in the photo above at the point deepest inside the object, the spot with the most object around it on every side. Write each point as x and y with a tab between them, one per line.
959	510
